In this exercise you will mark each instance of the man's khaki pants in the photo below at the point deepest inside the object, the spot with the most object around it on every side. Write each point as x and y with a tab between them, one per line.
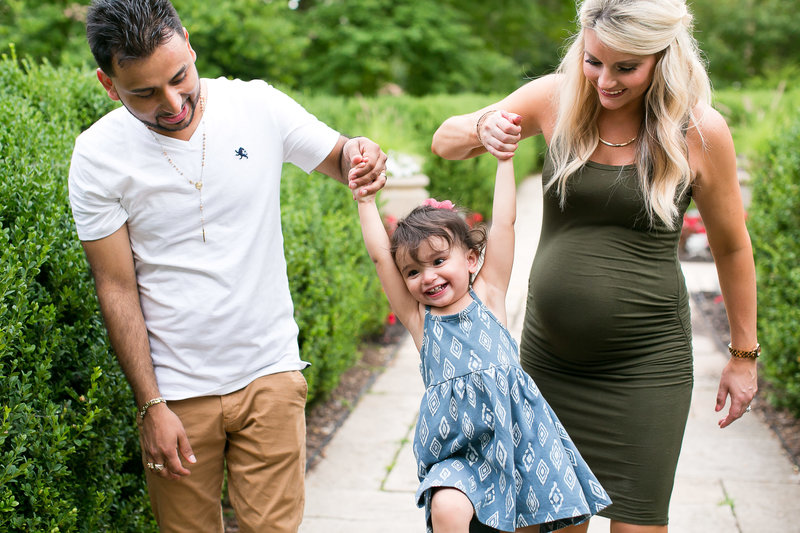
259	433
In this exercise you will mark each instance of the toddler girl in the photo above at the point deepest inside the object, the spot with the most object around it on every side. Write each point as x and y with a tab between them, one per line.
487	443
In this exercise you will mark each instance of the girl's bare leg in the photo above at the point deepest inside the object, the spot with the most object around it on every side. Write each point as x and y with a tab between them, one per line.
622	527
451	511
580	528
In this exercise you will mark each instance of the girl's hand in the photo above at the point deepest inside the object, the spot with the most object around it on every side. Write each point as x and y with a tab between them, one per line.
367	162
363	195
500	133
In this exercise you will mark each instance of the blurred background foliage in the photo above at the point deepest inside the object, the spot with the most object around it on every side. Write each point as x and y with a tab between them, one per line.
419	47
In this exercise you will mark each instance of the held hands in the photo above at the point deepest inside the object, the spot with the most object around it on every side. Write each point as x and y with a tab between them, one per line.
499	132
162	435
367	174
739	380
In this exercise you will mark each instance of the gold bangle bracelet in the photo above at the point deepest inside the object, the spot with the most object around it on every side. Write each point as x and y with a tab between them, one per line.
480	121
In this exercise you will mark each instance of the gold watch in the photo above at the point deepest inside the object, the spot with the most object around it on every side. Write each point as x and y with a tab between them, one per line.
745	354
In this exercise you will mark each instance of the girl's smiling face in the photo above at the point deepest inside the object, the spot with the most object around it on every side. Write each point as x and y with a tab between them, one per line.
620	79
440	274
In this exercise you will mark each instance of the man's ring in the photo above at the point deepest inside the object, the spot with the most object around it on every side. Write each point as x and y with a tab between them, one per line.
155	467
748	409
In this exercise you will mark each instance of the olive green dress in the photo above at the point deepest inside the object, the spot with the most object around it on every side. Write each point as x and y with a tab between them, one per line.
607	336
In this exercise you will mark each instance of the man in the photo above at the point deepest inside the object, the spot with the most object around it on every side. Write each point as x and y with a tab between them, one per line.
176	201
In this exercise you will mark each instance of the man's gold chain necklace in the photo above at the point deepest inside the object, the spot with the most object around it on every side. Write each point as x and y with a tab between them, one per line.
198	184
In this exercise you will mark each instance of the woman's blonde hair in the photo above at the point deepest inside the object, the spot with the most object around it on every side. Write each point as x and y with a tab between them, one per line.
680	82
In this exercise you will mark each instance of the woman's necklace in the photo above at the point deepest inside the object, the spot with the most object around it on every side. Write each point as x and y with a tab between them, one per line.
198	184
616	145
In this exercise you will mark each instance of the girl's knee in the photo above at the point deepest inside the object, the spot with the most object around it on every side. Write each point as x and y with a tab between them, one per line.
451	510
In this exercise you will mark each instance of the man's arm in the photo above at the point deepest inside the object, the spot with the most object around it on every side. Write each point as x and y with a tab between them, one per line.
357	162
111	260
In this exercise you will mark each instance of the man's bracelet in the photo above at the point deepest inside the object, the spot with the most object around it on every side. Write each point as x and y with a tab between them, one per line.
143	409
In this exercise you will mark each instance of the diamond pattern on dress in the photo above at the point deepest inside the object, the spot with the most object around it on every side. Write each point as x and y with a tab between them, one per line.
556	455
516	435
501	454
436	447
465	324
455	348
433	403
500	413
542	471
467	427
453	411
444	428
485	340
436	352
527	414
449	371
487	417
437	329
542	434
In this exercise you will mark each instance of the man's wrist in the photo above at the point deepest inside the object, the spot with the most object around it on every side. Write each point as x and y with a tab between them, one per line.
142	411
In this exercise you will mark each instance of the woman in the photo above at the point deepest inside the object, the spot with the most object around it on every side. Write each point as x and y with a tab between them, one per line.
632	139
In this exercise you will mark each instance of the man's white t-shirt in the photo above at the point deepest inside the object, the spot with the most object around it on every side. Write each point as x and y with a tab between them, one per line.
218	313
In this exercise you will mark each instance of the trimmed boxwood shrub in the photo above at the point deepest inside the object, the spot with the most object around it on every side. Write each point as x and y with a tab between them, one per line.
68	442
774	222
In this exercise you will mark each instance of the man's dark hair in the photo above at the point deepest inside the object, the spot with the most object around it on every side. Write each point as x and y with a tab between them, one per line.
126	30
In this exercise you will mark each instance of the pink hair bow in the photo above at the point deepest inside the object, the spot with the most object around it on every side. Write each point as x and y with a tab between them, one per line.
432	202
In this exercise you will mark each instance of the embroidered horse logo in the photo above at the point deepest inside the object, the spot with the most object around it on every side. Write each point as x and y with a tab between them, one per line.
242	153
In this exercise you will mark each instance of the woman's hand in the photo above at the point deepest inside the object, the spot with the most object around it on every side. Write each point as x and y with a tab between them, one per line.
499	132
739	381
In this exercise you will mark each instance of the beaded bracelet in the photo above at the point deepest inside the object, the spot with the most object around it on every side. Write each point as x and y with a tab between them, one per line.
143	409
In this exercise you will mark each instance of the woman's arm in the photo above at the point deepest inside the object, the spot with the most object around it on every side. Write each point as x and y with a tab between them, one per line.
718	198
457	137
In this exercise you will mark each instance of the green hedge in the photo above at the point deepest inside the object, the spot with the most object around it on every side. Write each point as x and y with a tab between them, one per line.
68	442
774	223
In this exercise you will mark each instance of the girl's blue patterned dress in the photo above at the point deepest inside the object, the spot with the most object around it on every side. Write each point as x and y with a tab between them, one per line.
485	429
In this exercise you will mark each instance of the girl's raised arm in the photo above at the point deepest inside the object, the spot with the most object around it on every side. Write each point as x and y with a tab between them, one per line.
404	306
493	277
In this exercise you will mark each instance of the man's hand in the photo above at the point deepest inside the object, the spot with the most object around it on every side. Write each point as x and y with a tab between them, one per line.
366	174
162	436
